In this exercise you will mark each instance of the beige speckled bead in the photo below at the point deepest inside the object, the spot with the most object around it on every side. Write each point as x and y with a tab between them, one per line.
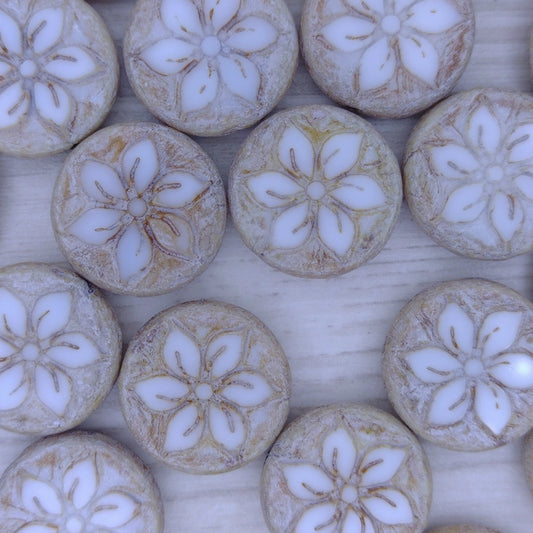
463	528
205	387
77	482
387	59
458	364
346	467
207	67
139	209
315	191
60	348
58	75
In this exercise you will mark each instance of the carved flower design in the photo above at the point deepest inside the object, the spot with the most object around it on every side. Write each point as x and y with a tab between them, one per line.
210	46
349	491
316	194
205	389
78	505
138	208
36	68
37	349
473	371
392	36
491	164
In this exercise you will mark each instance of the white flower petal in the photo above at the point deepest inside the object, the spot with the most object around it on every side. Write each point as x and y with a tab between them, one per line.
227	426
6	351
199	87
433	16
10	34
252	34
506	215
172	234
377	65
4	67
224	353
140	164
348	34
520	144
307	481
240	76
45	28
14	387
184	429
218	13
432	365
182	354
317	518
80	482
524	182
71	63
456	329
296	152
178	189
483	129
14	104
53	388
336	230
453	161
161	393
400	5
465	204
97	226
420	58
73	350
340	153
181	17
450	403
114	509
359	193
273	189
134	252
12	314
246	389
169	56
339	453
352	523
100	182
389	506
52	102
40	498
380	465
291	228
514	370
499	331
493	406
51	313
368	6
38	528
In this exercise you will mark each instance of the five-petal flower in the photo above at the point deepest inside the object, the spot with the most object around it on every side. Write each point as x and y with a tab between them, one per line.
349	491
473	371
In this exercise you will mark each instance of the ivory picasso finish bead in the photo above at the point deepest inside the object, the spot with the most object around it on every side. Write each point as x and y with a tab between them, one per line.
468	173
79	482
204	387
60	348
315	191
139	209
58	74
207	67
463	528
385	58
458	364
346	468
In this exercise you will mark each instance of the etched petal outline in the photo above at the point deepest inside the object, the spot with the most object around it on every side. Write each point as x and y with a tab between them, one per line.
51	313
420	58
456	329
225	352
218	14
134	253
169	56
465	204
161	393
180	342
39	497
340	153
73	350
5	67
483	129
320	517
336	230
13	314
181	17
172	234
292	228
240	76
367	5
101	182
227	426
10	34
433	16
453	161
44	29
307	482
296	152
432	365
339	453
53	388
388	506
498	332
380	465
98	225
6	351
52	102
252	34
14	387
114	509
377	65
185	429
273	189
80	482
246	389
514	370
450	403
524	182
177	189
352	523
35	527
348	33
140	164
14	104
359	193
492	406
71	63
199	87
506	215
520	144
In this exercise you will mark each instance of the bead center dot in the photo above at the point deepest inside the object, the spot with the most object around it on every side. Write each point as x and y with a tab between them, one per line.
204	391
74	524
211	46
137	207
348	494
28	68
495	173
391	24
30	352
473	368
316	190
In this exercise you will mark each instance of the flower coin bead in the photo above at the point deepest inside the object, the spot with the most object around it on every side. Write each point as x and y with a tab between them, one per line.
315	191
79	482
204	387
468	173
58	74
60	348
387	58
458	364
346	469
139	209
210	67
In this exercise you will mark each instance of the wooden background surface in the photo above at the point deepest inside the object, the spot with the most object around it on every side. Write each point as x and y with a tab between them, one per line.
332	330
